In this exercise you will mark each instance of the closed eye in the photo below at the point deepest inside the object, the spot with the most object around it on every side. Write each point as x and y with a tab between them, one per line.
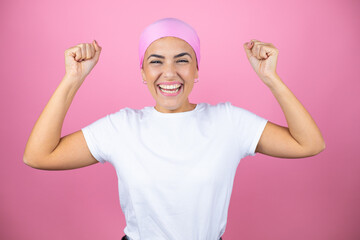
155	61
182	60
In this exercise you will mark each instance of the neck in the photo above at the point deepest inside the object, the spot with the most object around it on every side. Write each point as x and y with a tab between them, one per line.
184	108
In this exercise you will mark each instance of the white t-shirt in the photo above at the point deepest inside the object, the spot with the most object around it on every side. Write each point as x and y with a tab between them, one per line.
175	170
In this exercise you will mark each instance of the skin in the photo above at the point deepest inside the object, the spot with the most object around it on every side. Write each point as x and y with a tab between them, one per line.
302	137
47	150
169	69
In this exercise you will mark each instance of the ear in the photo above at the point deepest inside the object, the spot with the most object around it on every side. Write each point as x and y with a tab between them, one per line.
197	74
143	74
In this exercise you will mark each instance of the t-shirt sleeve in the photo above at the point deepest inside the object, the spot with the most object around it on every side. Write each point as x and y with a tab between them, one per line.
247	127
97	136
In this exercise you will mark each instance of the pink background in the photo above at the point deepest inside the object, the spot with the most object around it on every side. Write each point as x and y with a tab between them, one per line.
315	198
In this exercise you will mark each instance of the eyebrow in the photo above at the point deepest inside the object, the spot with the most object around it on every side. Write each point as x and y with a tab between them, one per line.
176	56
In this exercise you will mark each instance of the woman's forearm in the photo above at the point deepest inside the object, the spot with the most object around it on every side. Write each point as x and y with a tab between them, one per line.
300	123
46	132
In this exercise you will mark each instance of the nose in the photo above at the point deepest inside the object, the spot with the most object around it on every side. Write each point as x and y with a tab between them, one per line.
169	70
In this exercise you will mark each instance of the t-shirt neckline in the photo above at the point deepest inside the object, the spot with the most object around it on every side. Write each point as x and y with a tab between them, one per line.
156	112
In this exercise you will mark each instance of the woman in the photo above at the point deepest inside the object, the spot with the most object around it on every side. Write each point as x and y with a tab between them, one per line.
175	161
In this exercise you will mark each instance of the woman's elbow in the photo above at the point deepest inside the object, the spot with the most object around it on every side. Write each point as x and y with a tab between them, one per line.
317	148
323	146
27	161
31	161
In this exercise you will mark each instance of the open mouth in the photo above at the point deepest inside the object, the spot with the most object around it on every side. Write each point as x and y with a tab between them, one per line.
170	90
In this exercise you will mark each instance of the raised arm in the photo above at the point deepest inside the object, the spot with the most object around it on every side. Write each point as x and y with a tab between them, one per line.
45	148
302	137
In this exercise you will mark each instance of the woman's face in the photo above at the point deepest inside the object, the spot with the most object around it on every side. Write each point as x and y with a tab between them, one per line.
169	69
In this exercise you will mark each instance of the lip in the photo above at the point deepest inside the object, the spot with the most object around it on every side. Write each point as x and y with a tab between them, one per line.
171	94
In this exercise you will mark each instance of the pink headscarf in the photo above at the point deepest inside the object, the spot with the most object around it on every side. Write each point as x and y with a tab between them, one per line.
167	27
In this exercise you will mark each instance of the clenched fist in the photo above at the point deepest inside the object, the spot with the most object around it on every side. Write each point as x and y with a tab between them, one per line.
81	59
263	58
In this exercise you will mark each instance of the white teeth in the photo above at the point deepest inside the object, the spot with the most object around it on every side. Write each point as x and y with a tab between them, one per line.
166	91
170	86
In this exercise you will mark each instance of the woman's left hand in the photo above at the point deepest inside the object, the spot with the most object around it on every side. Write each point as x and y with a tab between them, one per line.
302	137
263	58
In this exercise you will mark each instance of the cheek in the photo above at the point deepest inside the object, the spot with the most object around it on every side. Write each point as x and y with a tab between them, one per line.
153	75
189	86
186	72
152	89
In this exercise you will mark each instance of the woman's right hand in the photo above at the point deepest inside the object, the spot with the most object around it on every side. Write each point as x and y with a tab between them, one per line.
45	148
81	59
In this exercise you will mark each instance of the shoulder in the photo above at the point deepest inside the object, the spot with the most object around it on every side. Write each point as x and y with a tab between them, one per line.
221	105
214	107
225	108
223	111
128	112
114	119
236	114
